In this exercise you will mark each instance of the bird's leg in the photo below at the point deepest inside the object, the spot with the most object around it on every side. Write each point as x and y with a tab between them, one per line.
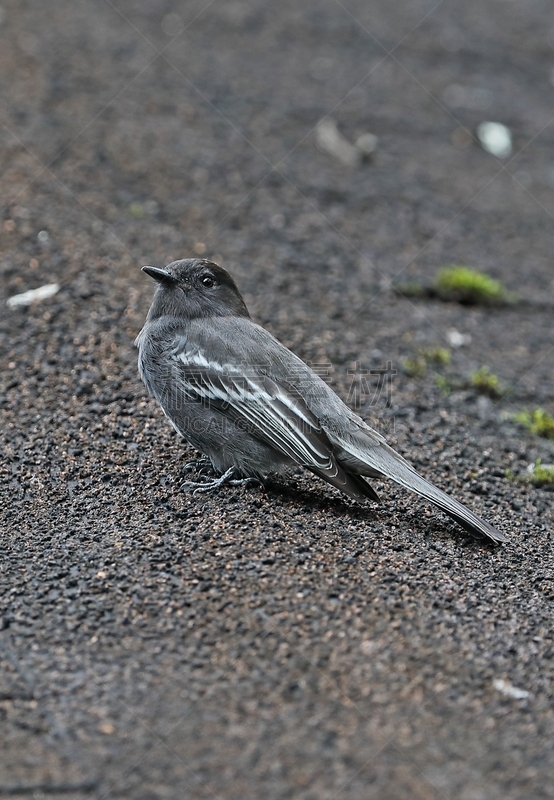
215	483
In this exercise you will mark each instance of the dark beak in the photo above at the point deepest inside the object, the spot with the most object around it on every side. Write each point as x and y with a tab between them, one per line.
160	275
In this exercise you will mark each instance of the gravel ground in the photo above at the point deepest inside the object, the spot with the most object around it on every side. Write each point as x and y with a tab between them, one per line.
277	643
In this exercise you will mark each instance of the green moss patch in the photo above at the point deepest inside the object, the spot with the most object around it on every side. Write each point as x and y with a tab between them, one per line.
460	284
469	286
417	367
540	474
485	382
538	421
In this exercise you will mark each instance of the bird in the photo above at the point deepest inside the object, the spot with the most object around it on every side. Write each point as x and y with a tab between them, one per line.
251	406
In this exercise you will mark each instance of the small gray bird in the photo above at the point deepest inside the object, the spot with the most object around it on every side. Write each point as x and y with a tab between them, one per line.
250	405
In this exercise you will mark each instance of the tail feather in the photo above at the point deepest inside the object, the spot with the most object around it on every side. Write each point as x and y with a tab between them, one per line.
369	458
464	516
348	482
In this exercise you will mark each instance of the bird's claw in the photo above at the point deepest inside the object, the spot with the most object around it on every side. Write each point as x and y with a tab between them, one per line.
200	463
202	487
245	482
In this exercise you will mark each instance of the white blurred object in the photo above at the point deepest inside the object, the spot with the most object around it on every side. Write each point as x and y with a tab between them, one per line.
26	298
512	691
457	339
330	140
495	138
367	144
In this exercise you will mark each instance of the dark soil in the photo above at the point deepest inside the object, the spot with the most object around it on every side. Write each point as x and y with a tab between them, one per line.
277	643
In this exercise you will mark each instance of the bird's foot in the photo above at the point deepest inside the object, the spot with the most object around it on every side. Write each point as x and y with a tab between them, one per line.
203	465
210	485
245	482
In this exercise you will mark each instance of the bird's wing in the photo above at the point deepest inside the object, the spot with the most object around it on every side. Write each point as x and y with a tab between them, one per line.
268	411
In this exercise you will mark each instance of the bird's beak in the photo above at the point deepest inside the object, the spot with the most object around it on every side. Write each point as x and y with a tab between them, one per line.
160	275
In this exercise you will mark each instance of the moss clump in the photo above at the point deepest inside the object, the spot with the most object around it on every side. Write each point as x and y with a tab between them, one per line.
538	421
541	474
437	355
136	210
469	286
444	384
486	383
482	381
417	367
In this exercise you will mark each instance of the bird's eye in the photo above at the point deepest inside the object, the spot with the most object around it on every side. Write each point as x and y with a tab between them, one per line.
208	282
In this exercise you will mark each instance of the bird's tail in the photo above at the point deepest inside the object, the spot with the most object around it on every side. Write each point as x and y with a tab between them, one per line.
464	516
384	460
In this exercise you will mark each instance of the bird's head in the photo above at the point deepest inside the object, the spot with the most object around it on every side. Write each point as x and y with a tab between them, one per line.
193	288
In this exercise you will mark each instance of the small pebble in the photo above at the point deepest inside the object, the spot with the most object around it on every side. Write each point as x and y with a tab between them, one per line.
495	139
330	140
457	339
367	144
33	295
509	690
